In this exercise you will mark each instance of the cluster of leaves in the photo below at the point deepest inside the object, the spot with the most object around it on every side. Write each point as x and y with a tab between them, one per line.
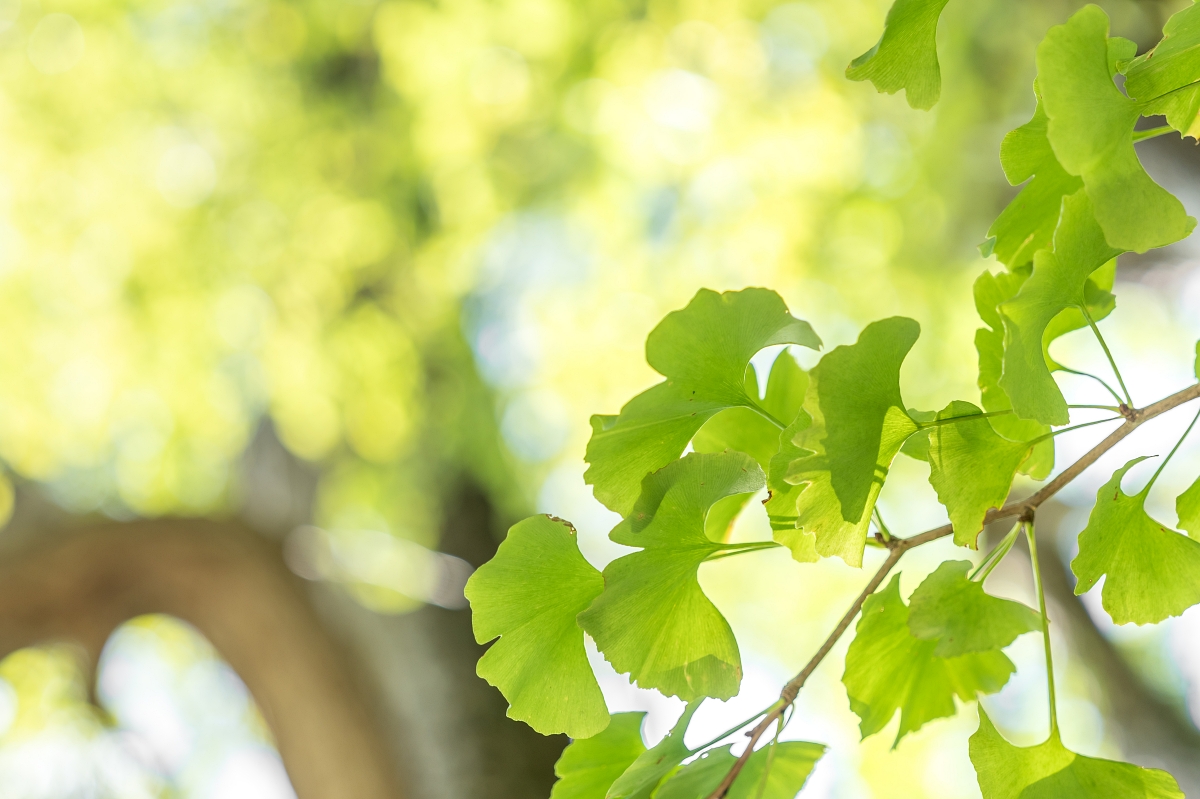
684	458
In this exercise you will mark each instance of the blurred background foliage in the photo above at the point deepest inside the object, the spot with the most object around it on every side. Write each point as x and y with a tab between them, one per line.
420	241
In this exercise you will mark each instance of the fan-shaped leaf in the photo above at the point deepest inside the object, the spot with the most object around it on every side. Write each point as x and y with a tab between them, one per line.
956	613
905	57
589	766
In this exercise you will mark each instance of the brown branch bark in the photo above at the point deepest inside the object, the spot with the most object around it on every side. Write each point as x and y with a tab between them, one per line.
232	586
898	546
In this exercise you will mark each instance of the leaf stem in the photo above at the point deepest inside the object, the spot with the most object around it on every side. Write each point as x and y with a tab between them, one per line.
898	546
1151	133
1068	370
1107	353
729	550
764	413
1037	579
953	419
996	555
1113	408
1171	454
1053	433
883	528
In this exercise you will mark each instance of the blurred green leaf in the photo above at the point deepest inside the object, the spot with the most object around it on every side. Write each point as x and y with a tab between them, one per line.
1187	508
954	611
529	595
905	57
644	774
588	766
786	765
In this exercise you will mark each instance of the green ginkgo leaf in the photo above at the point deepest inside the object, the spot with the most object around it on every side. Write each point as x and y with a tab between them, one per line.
653	621
954	611
589	766
529	595
890	669
644	774
1187	508
905	57
703	350
1167	78
785	765
971	467
990	291
1057	283
858	387
1152	571
1091	131
782	503
1051	771
1027	223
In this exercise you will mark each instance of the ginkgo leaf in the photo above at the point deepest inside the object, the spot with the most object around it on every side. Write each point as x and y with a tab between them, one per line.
1058	281
1027	223
954	611
905	57
1091	131
1051	771
858	387
588	766
529	595
703	351
644	774
1152	571
889	669
1196	366
1187	507
971	468
653	621
787	765
990	291
1160	78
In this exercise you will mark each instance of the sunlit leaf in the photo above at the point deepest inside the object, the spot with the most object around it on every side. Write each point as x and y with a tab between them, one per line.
905	57
589	766
1058	282
653	621
703	351
1051	771
644	774
1152	571
1160	78
889	669
956	613
1091	130
786	764
1187	508
971	467
529	595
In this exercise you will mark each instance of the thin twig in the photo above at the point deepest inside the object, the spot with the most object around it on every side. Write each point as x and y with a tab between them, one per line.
898	546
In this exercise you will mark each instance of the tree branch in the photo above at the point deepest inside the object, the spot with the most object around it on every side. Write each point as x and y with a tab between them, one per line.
898	546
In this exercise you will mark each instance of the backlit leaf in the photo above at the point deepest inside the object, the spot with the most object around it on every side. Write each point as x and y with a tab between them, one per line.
644	774
1057	283
787	765
1187	507
889	669
703	351
1159	77
653	621
1152	571
956	613
905	57
589	766
1051	771
1091	130
971	467
529	595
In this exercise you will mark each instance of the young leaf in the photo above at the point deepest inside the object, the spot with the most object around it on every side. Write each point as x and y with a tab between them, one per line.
1051	771
1057	283
790	763
703	351
858	387
1153	571
1027	224
1091	130
889	669
529	595
990	291
971	468
905	57
956	613
653	621
1187	507
644	774
588	766
1161	78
